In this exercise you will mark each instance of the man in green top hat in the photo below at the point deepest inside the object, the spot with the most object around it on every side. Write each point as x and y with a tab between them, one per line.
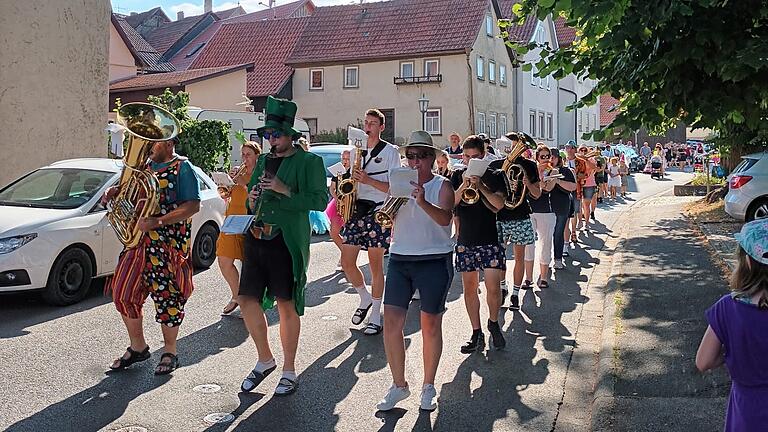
286	184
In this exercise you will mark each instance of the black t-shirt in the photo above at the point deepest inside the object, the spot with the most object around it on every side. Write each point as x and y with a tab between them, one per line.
477	223
559	197
458	150
523	211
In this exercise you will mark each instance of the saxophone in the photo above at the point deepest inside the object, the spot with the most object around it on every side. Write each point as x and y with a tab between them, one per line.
346	189
138	195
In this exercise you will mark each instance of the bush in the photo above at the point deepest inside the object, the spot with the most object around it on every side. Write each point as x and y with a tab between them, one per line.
701	180
338	135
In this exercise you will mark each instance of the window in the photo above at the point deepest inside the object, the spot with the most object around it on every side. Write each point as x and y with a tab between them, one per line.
315	79
492	125
351	76
406	70
548	86
534	79
433	121
541	125
480	68
550	127
503	75
488	25
491	71
532	123
431	68
312	123
587	125
480	123
581	121
502	124
195	50
594	122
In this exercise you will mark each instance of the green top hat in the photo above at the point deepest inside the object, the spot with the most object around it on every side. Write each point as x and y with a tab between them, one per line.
280	114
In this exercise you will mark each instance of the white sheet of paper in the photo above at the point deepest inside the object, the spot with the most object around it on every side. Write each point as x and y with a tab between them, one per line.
337	169
477	167
357	137
400	182
222	179
236	224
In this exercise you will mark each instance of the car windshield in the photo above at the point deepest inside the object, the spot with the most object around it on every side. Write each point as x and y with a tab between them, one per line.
56	188
329	159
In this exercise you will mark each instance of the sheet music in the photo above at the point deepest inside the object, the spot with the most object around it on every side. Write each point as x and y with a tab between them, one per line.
400	182
477	167
357	137
222	179
337	169
236	224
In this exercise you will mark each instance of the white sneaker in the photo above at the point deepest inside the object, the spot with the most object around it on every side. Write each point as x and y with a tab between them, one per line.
566	247
559	264
394	395
416	295
428	397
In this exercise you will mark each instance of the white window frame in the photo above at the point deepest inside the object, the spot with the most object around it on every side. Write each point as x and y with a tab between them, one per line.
542	125
357	76
489	25
532	122
502	124
439	118
549	87
492	71
586	128
594	122
480	65
312	81
550	126
480	123
581	121
535	81
413	70
492	125
503	75
426	67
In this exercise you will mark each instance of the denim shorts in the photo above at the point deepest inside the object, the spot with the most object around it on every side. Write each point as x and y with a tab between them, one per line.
432	277
589	192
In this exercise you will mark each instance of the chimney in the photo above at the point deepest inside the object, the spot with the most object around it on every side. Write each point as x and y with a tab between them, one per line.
208	6
133	13
179	15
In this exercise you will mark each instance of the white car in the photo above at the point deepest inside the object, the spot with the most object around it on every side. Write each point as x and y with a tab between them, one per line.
747	197
55	235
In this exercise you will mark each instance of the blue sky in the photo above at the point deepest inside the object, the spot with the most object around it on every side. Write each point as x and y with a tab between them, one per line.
195	7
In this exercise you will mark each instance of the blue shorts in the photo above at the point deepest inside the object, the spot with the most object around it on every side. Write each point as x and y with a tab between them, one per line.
432	277
474	258
366	233
589	192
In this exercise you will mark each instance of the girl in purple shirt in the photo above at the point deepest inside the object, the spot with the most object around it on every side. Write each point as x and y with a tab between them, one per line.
738	333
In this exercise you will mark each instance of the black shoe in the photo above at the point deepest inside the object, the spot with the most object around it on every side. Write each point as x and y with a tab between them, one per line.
497	338
514	302
476	343
526	285
504	294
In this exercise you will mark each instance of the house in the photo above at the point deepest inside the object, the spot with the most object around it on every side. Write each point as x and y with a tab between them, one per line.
54	77
388	54
130	54
608	112
213	88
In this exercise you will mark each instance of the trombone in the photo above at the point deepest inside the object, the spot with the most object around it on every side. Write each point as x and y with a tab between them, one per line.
226	191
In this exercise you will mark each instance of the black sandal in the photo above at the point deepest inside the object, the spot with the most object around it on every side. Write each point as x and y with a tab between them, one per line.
372	329
169	367
134	357
360	314
543	284
526	285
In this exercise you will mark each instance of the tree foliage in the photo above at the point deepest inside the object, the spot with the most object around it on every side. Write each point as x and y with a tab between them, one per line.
206	142
703	62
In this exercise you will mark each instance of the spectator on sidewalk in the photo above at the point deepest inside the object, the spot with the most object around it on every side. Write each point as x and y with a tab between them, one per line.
736	335
561	200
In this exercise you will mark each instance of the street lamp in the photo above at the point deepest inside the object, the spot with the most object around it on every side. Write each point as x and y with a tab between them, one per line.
423	106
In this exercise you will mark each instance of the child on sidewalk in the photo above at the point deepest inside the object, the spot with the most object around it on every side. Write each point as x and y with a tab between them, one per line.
736	336
624	173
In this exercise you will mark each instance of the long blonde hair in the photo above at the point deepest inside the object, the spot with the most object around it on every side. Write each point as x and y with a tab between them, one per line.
750	277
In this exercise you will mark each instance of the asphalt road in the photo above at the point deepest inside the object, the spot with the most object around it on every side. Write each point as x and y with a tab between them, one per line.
54	359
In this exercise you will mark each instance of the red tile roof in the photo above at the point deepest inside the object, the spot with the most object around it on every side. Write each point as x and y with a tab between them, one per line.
388	30
172	79
517	33
166	35
281	11
565	35
229	13
607	114
265	43
147	57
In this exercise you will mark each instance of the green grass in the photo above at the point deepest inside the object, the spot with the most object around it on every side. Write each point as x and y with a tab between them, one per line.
701	180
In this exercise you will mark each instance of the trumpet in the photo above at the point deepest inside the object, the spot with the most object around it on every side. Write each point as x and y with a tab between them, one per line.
470	195
385	216
226	191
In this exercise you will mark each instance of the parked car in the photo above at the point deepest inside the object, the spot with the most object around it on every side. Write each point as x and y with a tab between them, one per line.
331	154
54	233
747	197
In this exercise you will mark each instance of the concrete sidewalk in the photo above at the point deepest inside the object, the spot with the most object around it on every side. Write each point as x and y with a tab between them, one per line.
662	280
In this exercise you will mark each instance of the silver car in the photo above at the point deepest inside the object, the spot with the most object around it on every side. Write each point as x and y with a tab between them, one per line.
747	197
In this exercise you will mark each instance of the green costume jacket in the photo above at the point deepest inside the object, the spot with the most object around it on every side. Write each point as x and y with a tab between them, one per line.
304	174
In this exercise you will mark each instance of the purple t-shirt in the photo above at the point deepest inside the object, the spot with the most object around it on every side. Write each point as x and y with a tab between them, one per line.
743	330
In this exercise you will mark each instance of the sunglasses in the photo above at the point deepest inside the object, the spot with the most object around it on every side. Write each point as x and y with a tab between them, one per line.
544	156
273	134
420	156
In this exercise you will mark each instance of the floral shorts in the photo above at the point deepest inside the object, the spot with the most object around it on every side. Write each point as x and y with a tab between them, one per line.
516	232
366	233
474	258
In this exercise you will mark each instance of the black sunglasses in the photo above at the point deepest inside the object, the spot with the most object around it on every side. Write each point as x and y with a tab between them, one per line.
273	134
420	155
544	156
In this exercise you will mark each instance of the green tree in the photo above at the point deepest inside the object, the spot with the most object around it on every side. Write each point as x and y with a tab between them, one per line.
702	62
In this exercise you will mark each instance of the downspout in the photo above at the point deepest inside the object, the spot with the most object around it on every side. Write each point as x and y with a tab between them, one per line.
471	92
518	100
576	112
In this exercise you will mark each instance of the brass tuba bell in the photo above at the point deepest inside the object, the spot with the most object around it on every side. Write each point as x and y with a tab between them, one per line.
514	173
137	198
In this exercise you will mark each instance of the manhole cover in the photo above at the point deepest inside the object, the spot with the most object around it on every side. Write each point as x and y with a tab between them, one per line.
219	418
330	318
207	388
132	429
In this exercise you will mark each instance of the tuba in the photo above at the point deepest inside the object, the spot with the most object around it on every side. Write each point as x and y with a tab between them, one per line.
346	189
514	173
581	171
385	216
138	197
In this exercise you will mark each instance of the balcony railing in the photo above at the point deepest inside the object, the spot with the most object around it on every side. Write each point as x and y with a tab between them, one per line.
419	79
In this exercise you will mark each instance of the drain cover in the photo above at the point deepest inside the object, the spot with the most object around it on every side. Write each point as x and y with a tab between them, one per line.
219	418
132	429
207	388
329	318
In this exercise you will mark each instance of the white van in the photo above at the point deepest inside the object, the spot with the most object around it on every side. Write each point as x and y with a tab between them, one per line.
241	121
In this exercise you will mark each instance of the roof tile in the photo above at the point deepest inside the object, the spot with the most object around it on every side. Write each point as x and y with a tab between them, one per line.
518	33
170	79
566	35
608	103
166	35
141	48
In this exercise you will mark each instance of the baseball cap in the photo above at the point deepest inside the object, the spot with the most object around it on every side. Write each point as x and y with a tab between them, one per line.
484	137
753	238
571	144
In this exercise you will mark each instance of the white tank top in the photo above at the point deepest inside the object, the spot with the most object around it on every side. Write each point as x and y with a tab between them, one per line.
415	233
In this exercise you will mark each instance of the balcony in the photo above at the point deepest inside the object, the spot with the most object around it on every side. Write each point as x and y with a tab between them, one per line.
419	79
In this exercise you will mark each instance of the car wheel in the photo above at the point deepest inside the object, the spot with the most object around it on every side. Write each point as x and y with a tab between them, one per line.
758	210
70	278
204	246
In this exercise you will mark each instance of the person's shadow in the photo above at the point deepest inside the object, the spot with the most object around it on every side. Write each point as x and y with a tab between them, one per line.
98	406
